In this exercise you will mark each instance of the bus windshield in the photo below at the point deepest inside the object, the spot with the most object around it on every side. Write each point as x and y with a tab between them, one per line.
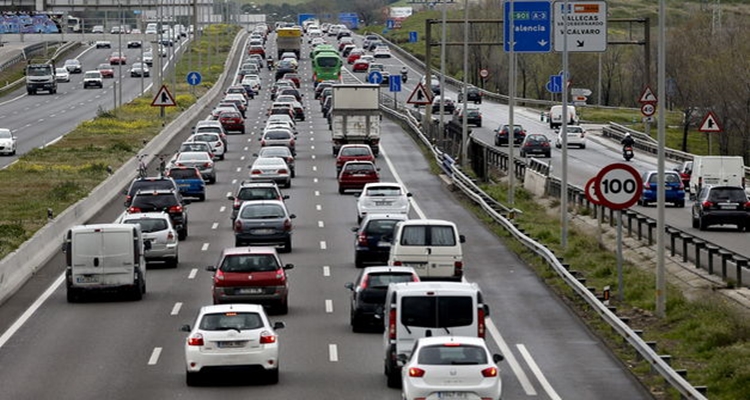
326	66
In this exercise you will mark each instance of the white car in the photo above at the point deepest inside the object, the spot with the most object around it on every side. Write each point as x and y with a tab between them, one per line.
451	367
576	137
8	142
232	336
382	52
103	44
382	198
214	139
62	75
148	58
158	230
271	169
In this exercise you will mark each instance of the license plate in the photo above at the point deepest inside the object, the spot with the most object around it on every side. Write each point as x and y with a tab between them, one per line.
263	231
452	395
383	203
87	279
230	344
384	244
250	291
184	186
727	206
359	175
416	265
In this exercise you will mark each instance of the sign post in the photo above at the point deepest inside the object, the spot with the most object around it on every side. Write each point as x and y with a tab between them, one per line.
193	79
648	106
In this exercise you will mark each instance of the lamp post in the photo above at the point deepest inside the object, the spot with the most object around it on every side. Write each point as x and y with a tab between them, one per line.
120	54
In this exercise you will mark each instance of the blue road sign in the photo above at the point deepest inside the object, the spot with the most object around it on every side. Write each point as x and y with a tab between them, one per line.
194	78
532	23
351	20
375	77
555	84
413	37
394	83
390	24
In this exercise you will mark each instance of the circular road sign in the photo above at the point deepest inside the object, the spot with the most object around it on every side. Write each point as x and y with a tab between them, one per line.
591	193
375	77
618	186
484	73
648	109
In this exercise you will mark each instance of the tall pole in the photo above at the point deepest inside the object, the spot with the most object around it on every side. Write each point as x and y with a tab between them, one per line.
428	75
442	73
564	133
511	101
661	286
119	64
143	43
464	120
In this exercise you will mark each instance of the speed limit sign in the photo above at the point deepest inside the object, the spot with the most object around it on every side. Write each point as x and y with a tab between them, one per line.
618	186
484	73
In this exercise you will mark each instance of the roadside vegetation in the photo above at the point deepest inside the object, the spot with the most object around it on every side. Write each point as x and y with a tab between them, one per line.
57	176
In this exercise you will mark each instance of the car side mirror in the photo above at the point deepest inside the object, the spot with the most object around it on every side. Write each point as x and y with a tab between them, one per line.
125	191
285	197
186	202
354	229
462	238
292	216
289	266
408	194
147	245
278	325
211	268
185	328
497	358
349	285
402	358
230	197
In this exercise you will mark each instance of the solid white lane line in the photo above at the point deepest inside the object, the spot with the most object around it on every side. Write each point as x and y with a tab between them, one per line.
154	356
538	373
326	270
214	225
323	245
333	353
204	247
329	306
193	273
176	308
31	310
510	358
396	176
321	224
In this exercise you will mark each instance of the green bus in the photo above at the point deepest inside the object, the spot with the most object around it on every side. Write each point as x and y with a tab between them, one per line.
326	67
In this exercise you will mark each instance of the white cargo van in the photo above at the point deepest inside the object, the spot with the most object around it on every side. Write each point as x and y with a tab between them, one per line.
105	257
555	116
716	170
415	310
431	246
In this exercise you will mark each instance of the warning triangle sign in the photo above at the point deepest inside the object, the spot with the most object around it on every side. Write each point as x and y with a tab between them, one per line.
647	96
710	123
163	98
419	96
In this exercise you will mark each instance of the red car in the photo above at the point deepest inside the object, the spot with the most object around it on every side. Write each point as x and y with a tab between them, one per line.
292	77
361	66
355	174
117	59
354	55
353	152
232	121
107	70
257	50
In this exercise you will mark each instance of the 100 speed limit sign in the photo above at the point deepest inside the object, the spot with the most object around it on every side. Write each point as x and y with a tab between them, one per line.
618	186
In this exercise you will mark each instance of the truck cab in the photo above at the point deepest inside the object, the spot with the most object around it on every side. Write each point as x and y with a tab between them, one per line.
41	77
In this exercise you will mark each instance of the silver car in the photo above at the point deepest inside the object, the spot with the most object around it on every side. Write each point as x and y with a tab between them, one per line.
382	198
271	169
278	151
214	139
265	222
278	137
198	159
158	230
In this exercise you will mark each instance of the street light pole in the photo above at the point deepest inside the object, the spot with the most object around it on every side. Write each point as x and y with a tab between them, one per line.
119	64
442	74
464	120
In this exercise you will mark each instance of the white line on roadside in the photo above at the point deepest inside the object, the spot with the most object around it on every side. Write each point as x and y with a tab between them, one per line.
154	356
326	270
329	306
214	225
321	224
318	207
396	176
31	310
176	308
510	358
323	245
204	247
193	273
538	373
333	353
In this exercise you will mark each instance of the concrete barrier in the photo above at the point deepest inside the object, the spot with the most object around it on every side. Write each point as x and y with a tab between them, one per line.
19	266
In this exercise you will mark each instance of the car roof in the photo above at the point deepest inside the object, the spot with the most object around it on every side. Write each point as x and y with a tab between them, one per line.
438	340
253	184
387	268
382	184
248	250
151	215
250	203
222	308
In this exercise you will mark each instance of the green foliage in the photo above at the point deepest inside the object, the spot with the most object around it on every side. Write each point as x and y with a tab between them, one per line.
64	191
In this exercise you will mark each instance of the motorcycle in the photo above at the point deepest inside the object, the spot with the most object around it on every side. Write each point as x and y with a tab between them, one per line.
269	63
627	152
403	77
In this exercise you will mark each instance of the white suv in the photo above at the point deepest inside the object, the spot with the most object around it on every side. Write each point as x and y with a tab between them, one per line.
93	79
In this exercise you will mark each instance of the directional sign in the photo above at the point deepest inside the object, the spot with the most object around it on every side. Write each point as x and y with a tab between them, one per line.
163	98
587	26
375	77
394	83
419	96
413	37
555	84
647	96
710	123
193	78
532	26
648	109
390	23
618	186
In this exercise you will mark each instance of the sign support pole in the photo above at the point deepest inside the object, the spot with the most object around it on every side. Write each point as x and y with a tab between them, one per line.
620	284
661	283
564	129
161	111
511	100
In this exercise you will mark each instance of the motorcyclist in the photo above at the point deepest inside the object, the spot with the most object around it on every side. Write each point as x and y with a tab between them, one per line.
404	73
627	141
269	63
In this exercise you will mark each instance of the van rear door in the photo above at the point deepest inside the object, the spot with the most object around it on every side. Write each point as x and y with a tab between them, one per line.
103	258
426	315
433	251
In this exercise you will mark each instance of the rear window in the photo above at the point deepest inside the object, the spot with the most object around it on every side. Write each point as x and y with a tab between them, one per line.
257	194
360	168
155	202
148	185
381	226
382	191
727	194
149	225
87	244
355	151
277	135
436	311
426	235
230	320
261	211
249	263
382	280
452	355
207	138
186	173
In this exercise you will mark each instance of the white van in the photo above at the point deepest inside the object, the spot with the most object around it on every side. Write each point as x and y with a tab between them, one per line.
716	170
415	310
105	257
431	246
555	116
152	28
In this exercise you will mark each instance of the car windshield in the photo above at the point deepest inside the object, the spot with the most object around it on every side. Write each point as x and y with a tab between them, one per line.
183	173
257	194
5	134
384	191
727	194
249	263
92	75
149	225
262	211
38	71
231	320
452	355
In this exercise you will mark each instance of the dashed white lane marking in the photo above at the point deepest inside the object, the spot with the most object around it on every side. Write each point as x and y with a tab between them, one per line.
154	356
317	193
321	224
193	273
538	373
214	225
318	207
510	358
315	180
315	168
239	169
312	156
323	245
204	247
176	308
312	147
223	208
333	353
242	158
326	270
329	306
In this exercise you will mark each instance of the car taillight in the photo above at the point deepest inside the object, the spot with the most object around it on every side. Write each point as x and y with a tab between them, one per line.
219	143
175	210
237	203
646	185
489	372
362	239
545	144
238	225
707	204
392	324
267	337
287	225
195	340
134	210
682	186
481	327
256	172
282	171
170	236
206	165
262	142
415	372
397	263
179	164
458	268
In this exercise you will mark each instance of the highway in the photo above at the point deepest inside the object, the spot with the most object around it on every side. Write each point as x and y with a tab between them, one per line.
124	350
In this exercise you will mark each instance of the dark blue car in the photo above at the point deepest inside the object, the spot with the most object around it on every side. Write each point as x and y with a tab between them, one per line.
372	243
675	190
189	181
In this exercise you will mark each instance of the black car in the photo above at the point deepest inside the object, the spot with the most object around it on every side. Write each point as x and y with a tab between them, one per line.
536	144
369	291
501	135
148	183
169	201
721	205
282	70
372	242
473	116
472	94
320	87
254	191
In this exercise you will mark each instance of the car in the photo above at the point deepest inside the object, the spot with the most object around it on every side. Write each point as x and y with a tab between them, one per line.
282	68
674	191
292	76
148	183
354	55
353	152
238	99
62	75
8	142
278	151
263	222
239	89
135	44
280	119
685	170
249	190
93	79
382	198
158	231
501	135
251	86
356	174
473	115
375	66
106	70
382	52
326	107
232	121
460	365
201	160
97	29
117	58
536	143
322	86
212	138
209	126
369	39
295	92
278	137
272	169
221	107
721	205
163	200
368	294
161	50
103	44
73	66
257	49
189	180
576	137
373	237
232	336
374	44
139	70
448	105
288	54
347	50
434	84
148	58
278	108
196	146
116	30
472	94
360	65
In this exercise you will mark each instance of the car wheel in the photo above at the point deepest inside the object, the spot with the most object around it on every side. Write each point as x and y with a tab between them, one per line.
137	292
283	307
174	262
583	146
680	204
558	145
702	224
523	154
341	190
394	379
479	125
293	174
548	155
272	376
182	234
237	242
288	245
213	180
72	295
201	197
695	223
354	322
192	378
358	261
